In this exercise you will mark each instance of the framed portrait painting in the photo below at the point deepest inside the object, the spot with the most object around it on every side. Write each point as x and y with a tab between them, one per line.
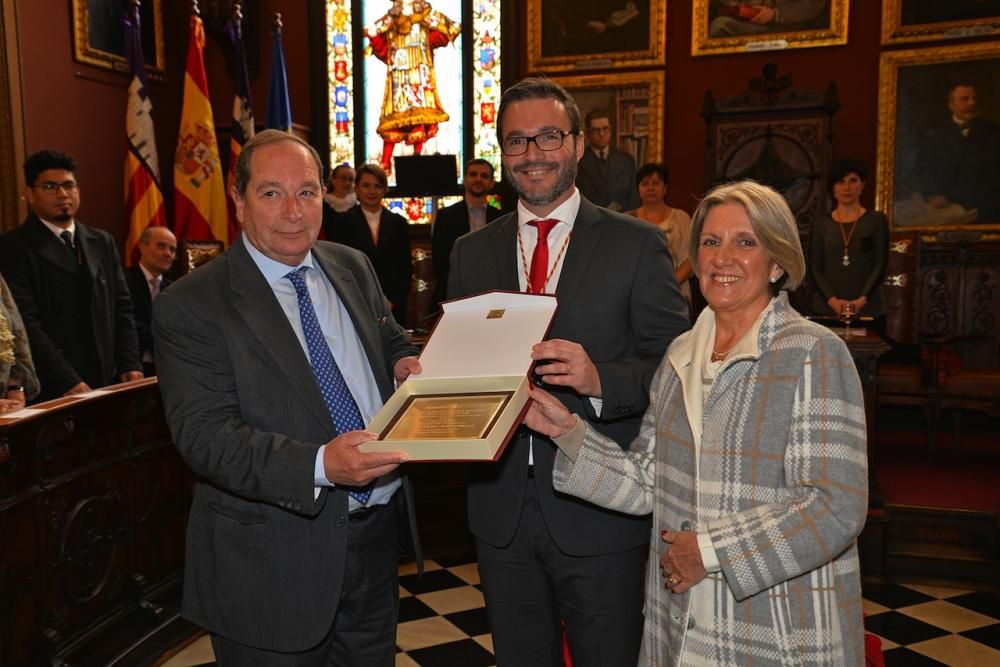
595	34
635	102
905	21
939	137
734	26
99	37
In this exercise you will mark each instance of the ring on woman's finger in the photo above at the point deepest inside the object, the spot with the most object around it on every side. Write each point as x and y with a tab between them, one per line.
673	581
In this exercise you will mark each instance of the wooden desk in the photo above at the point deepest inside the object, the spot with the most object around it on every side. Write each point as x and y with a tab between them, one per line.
93	507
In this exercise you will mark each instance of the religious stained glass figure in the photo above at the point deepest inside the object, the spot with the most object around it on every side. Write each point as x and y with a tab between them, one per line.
404	39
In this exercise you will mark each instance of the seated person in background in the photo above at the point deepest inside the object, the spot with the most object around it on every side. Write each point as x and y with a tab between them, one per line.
17	372
380	234
339	198
652	179
157	250
466	216
69	285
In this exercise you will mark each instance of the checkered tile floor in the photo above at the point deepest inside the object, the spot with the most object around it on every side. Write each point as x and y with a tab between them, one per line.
442	622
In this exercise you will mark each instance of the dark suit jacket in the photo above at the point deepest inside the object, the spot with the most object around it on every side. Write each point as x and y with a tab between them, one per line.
265	559
966	170
615	183
451	222
619	300
391	257
143	304
45	281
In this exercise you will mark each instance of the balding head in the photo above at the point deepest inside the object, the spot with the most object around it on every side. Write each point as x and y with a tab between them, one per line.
157	249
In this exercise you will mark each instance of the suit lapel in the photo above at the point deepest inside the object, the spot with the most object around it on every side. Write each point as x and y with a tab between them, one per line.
49	247
87	245
505	245
582	246
266	321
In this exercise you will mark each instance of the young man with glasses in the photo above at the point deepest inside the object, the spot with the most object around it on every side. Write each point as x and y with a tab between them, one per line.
606	175
544	557
68	283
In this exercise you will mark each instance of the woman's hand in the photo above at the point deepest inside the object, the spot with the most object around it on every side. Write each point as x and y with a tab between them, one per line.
836	304
547	415
14	400
681	564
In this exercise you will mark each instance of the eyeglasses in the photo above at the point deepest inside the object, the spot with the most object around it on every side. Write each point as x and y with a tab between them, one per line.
51	187
546	141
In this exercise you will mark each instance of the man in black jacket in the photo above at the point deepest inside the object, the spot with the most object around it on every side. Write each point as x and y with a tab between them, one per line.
68	283
157	250
468	215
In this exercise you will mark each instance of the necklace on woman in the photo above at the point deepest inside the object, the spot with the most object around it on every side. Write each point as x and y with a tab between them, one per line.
527	271
717	356
847	236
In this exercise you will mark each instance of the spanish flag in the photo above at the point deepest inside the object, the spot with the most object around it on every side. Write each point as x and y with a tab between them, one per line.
242	112
143	196
199	187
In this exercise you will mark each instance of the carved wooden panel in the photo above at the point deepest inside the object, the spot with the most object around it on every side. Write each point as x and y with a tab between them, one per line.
93	506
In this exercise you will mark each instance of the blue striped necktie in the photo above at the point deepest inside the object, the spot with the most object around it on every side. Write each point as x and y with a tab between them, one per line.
343	410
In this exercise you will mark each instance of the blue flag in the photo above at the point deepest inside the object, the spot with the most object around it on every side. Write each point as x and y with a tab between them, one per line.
279	110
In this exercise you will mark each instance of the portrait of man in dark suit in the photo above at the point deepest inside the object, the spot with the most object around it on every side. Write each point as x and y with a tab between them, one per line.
606	175
271	359
543	556
68	283
946	161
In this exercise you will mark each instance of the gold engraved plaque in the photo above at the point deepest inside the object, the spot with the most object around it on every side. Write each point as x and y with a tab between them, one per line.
447	417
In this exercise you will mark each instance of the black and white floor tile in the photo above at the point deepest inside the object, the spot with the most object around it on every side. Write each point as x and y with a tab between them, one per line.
442	623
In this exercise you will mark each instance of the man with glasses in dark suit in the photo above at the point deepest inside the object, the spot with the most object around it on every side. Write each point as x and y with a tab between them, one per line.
545	557
68	283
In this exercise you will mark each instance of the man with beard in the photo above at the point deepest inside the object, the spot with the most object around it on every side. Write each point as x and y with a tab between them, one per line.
68	283
470	214
544	556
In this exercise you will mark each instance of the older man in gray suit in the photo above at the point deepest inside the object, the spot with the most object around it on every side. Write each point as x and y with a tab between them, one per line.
271	359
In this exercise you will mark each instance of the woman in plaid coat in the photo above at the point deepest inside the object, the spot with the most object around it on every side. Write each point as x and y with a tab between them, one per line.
751	457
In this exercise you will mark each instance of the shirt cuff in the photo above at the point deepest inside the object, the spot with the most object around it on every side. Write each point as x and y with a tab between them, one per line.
709	559
319	472
598	404
570	442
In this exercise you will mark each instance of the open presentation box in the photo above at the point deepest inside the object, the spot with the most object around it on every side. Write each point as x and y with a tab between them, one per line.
473	390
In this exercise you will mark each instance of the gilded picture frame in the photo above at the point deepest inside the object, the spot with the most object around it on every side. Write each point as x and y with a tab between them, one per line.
920	156
910	21
731	26
581	35
99	38
636	100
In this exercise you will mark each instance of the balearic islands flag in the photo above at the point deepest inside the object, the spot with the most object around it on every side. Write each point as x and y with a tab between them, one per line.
143	196
242	113
199	187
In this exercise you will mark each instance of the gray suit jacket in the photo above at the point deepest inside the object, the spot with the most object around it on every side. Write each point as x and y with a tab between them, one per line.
265	559
618	299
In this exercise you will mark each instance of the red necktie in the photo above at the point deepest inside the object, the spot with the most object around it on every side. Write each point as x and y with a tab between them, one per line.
540	257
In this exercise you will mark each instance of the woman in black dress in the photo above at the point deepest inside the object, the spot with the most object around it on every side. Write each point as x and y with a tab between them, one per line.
849	249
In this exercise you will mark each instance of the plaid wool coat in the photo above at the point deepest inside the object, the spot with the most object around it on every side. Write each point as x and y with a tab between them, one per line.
779	482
